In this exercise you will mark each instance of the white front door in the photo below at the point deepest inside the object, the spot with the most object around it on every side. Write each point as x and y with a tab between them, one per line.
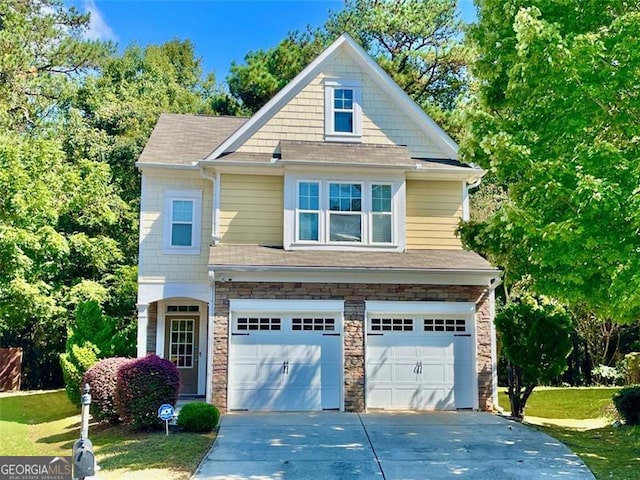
285	362
415	363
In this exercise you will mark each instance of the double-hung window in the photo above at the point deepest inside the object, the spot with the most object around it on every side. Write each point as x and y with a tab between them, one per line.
181	226
343	110
308	211
344	213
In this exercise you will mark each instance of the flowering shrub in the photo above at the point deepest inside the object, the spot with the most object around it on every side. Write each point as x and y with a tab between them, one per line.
143	385
605	375
103	378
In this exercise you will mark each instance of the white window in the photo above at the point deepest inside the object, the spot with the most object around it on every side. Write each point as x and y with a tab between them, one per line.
345	213
343	110
181	226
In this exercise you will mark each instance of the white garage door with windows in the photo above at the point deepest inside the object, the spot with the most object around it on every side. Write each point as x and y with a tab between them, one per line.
420	355
285	355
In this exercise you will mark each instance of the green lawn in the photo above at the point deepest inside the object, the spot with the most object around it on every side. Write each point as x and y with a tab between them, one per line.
610	452
48	424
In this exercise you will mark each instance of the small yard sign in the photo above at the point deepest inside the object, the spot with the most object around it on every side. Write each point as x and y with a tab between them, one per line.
166	412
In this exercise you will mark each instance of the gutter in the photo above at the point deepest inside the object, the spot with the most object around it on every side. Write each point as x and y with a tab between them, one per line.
168	166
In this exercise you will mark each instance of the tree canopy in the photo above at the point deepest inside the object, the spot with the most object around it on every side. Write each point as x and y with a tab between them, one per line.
556	122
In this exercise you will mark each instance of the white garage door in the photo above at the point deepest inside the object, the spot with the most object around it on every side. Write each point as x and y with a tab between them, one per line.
419	363
285	362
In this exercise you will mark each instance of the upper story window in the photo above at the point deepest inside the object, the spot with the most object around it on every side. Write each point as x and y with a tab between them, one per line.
343	110
181	226
345	213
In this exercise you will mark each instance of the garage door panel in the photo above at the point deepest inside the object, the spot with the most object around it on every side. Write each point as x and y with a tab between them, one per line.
286	369
420	368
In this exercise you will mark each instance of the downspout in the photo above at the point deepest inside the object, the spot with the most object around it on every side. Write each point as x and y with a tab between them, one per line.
466	209
215	203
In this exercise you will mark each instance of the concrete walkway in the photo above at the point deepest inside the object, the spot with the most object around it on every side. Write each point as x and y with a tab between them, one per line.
386	446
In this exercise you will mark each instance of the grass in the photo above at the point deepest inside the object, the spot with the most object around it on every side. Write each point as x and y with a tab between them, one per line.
48	424
578	418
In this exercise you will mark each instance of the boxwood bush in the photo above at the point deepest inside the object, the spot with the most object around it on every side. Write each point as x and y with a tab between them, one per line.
198	417
143	385
103	378
627	402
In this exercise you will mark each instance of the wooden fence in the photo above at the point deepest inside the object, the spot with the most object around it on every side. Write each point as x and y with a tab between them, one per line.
10	369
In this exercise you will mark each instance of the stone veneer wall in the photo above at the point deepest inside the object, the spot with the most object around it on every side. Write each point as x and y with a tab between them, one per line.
354	295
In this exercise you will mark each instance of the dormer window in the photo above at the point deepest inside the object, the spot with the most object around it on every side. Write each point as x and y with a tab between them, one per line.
343	111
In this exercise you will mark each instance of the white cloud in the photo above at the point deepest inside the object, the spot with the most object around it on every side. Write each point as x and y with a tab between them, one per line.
98	29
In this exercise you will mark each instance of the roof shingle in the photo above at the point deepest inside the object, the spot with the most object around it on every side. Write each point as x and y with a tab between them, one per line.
185	139
428	260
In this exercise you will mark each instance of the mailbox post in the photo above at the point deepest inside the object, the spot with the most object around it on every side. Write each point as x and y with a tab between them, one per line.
83	459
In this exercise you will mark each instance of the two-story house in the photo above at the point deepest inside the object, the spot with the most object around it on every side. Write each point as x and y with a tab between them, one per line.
306	258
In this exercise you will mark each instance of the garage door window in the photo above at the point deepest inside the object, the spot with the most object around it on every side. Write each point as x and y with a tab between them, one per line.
445	325
258	323
313	324
391	324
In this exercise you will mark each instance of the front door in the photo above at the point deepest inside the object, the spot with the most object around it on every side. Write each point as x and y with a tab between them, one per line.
182	345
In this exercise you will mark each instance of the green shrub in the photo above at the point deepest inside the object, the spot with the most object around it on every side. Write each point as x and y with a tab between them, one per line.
103	378
143	385
75	363
627	402
198	417
631	365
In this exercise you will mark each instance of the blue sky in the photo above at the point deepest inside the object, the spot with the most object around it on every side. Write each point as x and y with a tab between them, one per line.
221	30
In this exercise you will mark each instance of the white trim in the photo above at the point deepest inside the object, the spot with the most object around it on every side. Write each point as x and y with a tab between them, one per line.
465	202
201	315
288	306
214	188
330	86
143	325
292	181
216	207
194	196
150	291
141	223
344	275
370	67
381	307
167	166
494	350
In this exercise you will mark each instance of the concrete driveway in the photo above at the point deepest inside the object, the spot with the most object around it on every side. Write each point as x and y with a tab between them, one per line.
386	446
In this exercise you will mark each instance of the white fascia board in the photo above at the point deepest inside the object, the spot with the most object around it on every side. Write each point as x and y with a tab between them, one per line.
454	173
427	307
335	166
384	81
153	291
278	101
290	306
343	275
143	167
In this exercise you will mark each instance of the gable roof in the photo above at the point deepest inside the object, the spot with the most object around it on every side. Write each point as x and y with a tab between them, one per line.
345	44
187	139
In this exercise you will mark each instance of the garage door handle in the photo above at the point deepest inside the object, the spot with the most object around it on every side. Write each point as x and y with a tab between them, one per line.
375	334
461	334
330	334
242	334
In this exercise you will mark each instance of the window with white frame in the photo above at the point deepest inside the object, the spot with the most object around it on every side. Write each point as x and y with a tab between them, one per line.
343	110
344	212
181	226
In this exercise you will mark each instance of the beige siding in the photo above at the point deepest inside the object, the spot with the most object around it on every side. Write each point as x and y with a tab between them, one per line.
251	209
153	264
434	210
302	118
